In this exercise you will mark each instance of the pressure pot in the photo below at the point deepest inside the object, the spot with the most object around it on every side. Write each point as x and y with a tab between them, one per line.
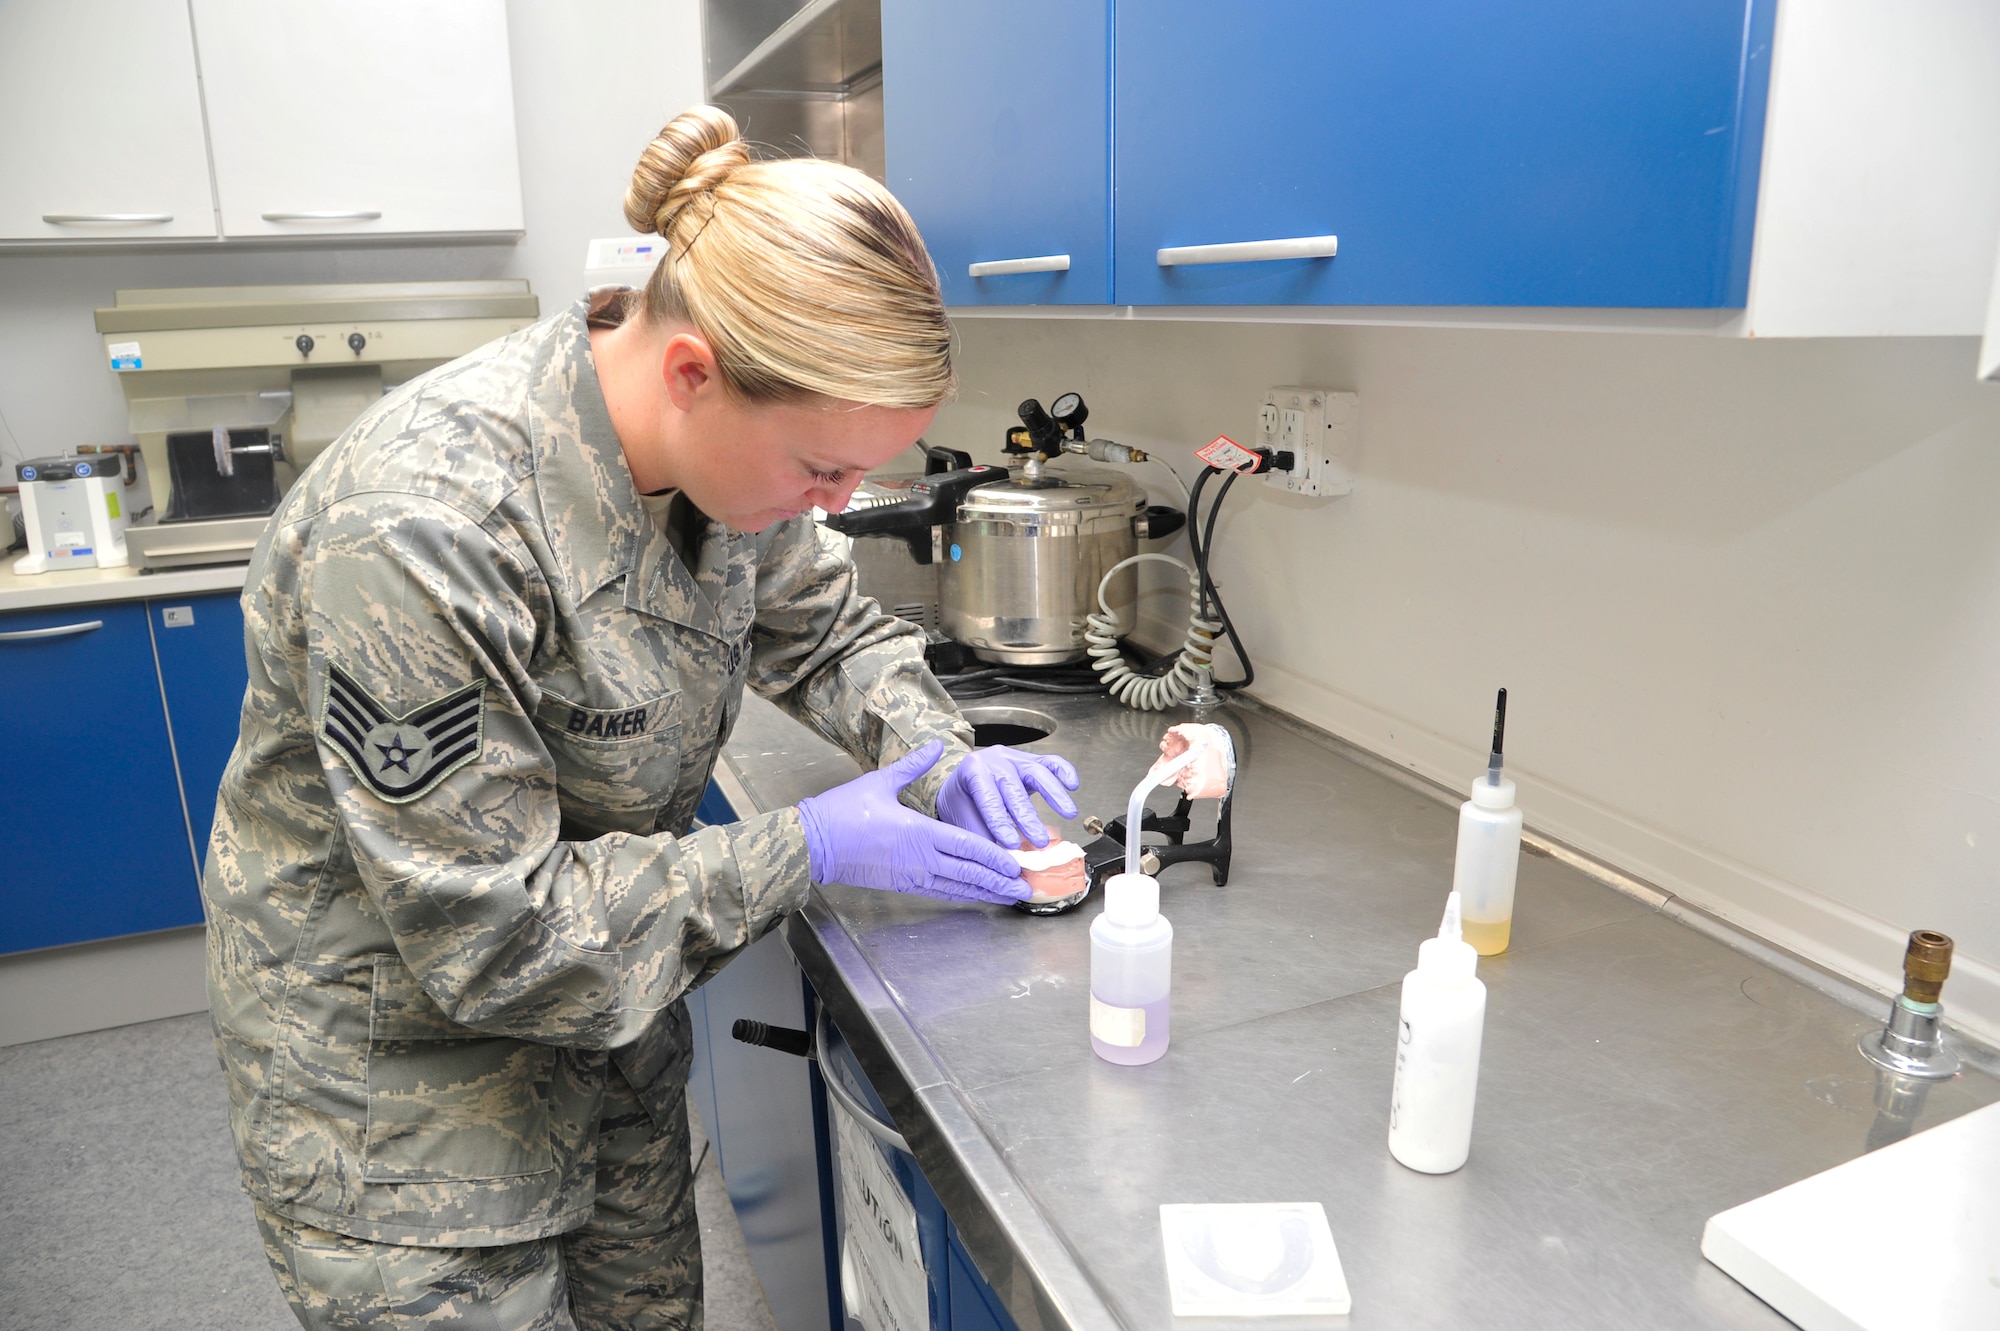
1019	553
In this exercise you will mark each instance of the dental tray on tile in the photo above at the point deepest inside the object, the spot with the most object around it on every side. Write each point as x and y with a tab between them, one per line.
1254	1259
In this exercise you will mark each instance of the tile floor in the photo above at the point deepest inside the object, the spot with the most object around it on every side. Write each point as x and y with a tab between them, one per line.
120	1208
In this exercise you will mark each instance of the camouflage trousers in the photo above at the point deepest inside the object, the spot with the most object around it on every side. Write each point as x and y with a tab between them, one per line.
634	1266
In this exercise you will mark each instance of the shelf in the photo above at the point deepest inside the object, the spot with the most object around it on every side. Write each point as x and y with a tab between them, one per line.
828	51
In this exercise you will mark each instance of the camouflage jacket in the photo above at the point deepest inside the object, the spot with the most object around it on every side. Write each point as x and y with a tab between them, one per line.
449	883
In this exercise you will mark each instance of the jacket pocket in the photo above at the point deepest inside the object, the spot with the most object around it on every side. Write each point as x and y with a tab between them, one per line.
615	766
446	1103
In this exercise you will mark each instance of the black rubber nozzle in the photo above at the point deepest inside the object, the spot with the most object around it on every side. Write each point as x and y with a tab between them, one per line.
781	1038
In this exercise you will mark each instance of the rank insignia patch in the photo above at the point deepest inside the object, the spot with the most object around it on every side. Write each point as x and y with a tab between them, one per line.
402	757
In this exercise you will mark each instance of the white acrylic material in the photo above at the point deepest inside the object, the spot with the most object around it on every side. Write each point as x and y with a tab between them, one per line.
377	106
1437	1054
1046	263
1250	251
1824	1251
104	122
1131	971
1489	853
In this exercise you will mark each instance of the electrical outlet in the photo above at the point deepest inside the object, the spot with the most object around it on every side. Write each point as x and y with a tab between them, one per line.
1317	427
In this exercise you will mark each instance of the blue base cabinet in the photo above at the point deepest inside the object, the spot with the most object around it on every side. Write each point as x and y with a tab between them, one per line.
202	675
120	719
97	843
959	1297
974	1305
1544	153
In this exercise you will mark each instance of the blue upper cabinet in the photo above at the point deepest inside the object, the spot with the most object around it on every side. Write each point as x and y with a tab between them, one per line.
1547	152
997	134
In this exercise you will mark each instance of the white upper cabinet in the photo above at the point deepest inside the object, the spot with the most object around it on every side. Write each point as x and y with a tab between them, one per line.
100	123
368	117
1879	213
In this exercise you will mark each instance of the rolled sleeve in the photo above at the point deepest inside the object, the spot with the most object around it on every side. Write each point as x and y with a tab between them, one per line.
832	658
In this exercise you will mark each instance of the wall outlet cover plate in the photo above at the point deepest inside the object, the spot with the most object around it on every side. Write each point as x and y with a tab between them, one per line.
1317	426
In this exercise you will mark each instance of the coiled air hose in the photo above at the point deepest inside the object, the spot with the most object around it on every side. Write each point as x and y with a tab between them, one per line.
1151	693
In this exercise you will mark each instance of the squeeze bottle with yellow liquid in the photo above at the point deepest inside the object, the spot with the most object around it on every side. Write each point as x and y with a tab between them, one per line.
1489	851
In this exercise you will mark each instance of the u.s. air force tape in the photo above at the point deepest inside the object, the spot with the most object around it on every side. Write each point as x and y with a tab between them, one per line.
402	757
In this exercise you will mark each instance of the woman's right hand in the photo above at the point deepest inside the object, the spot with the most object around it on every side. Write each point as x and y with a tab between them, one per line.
860	833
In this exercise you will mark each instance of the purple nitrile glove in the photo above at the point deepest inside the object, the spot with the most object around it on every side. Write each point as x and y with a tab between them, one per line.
989	793
858	833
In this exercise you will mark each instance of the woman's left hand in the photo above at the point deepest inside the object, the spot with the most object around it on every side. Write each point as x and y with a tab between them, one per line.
991	792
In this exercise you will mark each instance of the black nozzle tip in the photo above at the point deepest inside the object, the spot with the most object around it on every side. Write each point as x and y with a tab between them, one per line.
1499	720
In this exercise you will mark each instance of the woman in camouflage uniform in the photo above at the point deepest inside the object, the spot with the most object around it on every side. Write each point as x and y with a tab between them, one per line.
496	636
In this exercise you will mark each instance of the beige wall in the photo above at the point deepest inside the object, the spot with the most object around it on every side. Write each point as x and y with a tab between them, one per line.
1745	594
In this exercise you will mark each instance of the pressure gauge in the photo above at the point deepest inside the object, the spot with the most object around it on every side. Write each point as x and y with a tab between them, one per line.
1069	411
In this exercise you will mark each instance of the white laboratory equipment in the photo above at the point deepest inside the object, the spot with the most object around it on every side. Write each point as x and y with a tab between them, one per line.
231	391
1131	943
75	510
1131	972
1489	850
1438	1036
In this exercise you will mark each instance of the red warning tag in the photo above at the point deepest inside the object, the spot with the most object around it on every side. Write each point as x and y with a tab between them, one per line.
1225	454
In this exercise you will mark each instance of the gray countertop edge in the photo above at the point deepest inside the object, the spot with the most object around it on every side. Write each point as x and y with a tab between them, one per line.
1849	993
101	586
1008	1238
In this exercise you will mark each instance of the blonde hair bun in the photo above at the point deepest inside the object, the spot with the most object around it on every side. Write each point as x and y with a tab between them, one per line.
805	277
694	153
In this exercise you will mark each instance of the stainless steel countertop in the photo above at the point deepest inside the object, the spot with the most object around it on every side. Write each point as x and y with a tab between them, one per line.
1638	1074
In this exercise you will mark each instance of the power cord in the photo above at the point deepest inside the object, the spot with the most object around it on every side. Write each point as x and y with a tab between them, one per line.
969	684
1201	541
1154	688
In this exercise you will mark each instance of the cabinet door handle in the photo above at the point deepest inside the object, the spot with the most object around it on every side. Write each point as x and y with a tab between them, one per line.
830	1078
351	215
1045	263
1250	251
115	219
57	631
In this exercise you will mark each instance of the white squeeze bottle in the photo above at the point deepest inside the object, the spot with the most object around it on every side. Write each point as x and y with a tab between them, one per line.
1131	971
1489	851
1437	1052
